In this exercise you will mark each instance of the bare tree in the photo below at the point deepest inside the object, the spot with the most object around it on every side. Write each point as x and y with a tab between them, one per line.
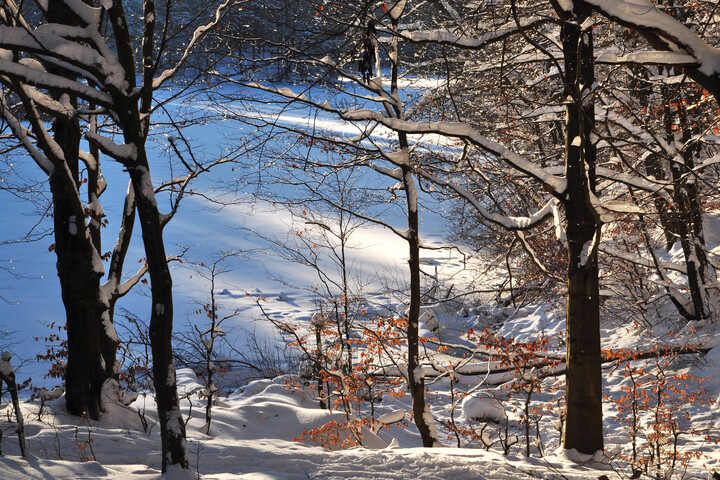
67	68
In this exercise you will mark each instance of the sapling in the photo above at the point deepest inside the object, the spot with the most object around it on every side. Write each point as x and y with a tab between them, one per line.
214	331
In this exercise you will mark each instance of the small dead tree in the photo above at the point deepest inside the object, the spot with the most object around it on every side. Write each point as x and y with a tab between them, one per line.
7	375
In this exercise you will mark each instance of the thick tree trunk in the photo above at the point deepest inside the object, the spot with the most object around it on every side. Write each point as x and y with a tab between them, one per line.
80	285
583	399
78	265
79	279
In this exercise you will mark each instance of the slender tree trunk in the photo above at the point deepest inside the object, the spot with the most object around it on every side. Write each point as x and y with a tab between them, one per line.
7	375
172	427
416	379
684	222
583	398
135	129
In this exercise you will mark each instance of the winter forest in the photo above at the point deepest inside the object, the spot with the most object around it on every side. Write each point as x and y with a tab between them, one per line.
361	239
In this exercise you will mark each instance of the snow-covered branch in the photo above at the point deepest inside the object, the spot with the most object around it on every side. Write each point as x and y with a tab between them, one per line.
649	58
465	132
46	43
122	153
447	37
23	135
42	79
505	221
665	33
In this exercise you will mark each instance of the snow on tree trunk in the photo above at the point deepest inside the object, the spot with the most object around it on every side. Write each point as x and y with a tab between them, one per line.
172	428
79	282
422	416
416	380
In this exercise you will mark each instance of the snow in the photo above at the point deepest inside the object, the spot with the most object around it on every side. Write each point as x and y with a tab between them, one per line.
5	366
254	425
253	440
462	131
392	417
397	9
51	37
147	190
447	36
318	319
50	395
644	14
483	408
566	5
122	153
72	225
88	14
589	249
647	58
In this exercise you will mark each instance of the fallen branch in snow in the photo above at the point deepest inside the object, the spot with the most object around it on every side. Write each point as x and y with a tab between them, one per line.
554	367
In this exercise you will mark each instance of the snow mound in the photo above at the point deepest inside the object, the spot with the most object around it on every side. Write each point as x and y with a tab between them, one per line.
483	408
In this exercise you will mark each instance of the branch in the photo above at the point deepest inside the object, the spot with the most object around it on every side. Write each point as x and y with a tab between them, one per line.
197	35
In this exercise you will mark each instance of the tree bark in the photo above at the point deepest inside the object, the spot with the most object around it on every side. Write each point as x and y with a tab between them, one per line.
686	217
7	375
583	397
80	286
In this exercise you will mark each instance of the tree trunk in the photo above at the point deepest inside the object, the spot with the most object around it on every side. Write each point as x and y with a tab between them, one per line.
135	129
78	260
416	379
80	286
79	279
583	397
7	375
172	427
687	212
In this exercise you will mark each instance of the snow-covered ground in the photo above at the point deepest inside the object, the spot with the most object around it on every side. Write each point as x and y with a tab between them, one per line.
252	438
254	427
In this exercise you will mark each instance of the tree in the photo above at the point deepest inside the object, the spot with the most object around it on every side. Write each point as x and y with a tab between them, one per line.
91	336
583	393
210	336
682	52
68	69
511	73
